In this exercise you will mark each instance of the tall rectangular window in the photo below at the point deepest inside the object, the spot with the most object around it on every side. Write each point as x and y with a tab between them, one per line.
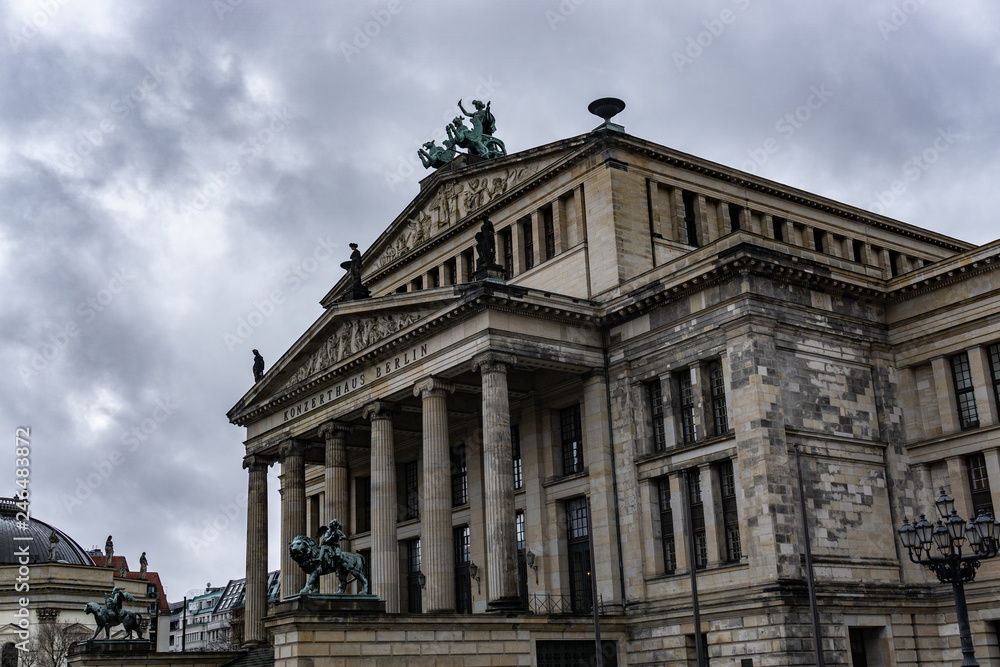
515	445
690	220
979	484
507	237
697	519
413	601
435	278
529	244
548	226
965	396
362	504
819	236
572	440
778	228
994	352
411	492
578	521
450	271
459	476
730	515
717	380
666	526
859	251
463	581
686	395
655	390
734	217
522	561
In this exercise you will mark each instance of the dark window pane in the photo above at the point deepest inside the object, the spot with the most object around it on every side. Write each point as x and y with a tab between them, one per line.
363	504
515	443
463	582
979	483
412	492
730	515
734	217
697	519
656	409
459	476
572	442
550	232
508	252
690	221
688	429
717	379
529	244
666	526
965	395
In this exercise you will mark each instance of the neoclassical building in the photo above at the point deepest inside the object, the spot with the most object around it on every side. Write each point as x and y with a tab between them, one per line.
663	333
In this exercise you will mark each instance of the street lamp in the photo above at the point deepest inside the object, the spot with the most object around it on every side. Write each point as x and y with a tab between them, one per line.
951	566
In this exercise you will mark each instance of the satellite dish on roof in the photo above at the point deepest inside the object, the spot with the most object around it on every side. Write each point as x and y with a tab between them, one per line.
606	107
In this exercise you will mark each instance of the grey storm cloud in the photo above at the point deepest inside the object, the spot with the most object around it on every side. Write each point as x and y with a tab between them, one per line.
169	167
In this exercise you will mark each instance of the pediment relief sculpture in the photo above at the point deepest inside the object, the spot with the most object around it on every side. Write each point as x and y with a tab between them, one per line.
352	337
452	202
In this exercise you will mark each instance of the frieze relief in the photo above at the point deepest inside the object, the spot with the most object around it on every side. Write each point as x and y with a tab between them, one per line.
451	203
351	337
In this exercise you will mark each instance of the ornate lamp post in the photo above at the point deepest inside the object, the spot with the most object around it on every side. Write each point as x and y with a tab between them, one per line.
951	536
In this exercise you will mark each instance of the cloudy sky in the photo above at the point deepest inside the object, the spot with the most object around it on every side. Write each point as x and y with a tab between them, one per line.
167	167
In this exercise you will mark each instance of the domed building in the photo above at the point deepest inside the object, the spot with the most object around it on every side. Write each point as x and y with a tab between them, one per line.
53	579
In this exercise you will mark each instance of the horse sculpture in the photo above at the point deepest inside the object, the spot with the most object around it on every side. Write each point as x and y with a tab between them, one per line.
319	561
107	619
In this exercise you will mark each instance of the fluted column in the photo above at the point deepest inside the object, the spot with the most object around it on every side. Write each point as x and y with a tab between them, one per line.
293	513
385	548
256	591
436	557
498	482
335	489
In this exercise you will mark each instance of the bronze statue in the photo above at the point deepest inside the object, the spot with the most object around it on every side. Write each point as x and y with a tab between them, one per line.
434	155
478	139
353	267
486	245
327	557
258	367
109	552
112	614
143	564
53	543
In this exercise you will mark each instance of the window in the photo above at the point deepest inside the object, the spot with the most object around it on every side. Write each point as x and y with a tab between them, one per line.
578	521
895	263
859	251
717	380
435	278
865	646
730	515
686	392
529	245
994	352
690	222
778	228
463	581
818	237
451	271
655	390
459	476
549	228
572	443
697	519
411	492
667	526
979	484
968	417
362	504
418	284
515	446
570	653
413	598
507	237
522	561
734	217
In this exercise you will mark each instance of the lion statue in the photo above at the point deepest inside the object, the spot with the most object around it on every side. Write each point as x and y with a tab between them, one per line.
107	619
326	560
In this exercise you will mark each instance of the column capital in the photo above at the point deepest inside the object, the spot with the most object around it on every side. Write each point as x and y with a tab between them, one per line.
291	447
332	428
430	385
377	410
251	461
492	362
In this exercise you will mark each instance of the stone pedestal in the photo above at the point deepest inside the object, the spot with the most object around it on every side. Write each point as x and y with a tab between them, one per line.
335	604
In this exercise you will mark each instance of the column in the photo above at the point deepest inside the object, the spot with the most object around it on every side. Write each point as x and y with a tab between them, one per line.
538	235
979	367
293	513
436	557
256	591
944	387
336	491
385	547
498	482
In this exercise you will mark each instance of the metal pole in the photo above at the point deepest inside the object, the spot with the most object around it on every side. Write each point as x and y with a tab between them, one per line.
598	655
964	631
184	626
817	634
699	654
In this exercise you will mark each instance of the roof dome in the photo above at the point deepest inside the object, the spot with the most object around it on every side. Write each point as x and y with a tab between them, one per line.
67	551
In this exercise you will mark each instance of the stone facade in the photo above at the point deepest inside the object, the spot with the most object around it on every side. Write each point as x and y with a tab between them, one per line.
664	321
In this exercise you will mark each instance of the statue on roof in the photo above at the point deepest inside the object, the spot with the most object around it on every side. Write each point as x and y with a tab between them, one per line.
53	544
109	552
353	266
258	367
143	564
477	140
435	156
123	569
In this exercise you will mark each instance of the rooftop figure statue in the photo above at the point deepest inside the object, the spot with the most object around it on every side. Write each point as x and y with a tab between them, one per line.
478	139
258	367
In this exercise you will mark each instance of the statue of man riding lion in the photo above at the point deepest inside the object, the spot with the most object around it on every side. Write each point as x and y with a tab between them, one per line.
324	556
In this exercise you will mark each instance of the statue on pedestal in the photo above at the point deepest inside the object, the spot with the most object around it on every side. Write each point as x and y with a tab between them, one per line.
478	139
112	614
143	564
258	367
353	266
324	556
53	544
486	253
109	552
